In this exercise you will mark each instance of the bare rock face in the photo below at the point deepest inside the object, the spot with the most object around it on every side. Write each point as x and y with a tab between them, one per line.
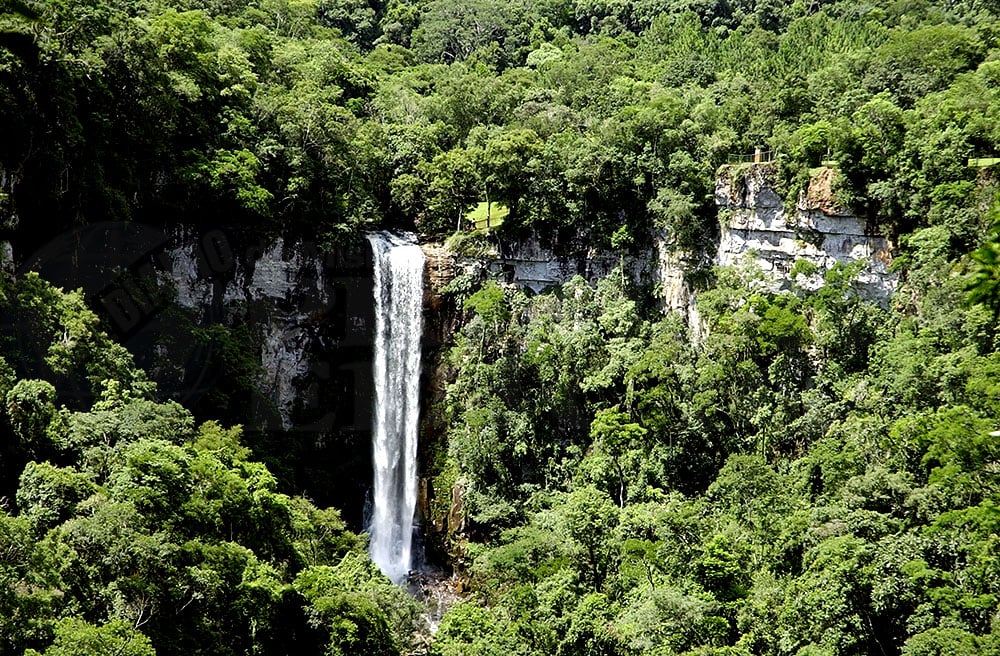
442	319
270	331
531	265
676	293
756	226
307	310
441	268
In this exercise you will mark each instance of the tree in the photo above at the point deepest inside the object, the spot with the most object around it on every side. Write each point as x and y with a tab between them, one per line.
32	412
358	608
915	62
613	432
509	162
984	285
76	637
48	495
452	31
30	588
589	517
949	642
453	185
468	630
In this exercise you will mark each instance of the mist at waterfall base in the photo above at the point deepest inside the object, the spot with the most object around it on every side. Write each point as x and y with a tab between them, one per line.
399	277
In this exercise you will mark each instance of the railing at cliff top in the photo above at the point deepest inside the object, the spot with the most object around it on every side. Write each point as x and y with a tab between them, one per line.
756	157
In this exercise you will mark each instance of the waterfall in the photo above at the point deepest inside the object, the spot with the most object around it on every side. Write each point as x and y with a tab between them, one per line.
399	284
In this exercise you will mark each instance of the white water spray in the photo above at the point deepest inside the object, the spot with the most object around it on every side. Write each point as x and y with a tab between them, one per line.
399	291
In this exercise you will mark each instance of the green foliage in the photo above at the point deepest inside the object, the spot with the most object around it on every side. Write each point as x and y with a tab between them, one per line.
48	496
588	521
589	115
29	591
50	334
137	533
488	303
361	611
76	637
984	286
470	630
33	415
235	174
813	475
948	642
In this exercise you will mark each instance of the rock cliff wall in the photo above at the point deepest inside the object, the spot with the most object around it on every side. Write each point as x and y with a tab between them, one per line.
530	265
308	314
676	292
756	225
268	331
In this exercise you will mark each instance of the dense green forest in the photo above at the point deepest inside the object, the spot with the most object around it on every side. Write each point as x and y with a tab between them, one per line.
335	115
817	475
137	532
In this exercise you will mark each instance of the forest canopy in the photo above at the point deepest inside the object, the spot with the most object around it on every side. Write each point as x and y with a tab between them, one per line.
336	115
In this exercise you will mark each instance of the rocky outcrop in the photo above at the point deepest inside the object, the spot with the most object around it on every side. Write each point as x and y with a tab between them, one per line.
441	322
307	311
442	267
756	225
530	265
676	292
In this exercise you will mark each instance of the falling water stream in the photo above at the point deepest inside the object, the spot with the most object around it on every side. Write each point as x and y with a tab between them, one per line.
399	284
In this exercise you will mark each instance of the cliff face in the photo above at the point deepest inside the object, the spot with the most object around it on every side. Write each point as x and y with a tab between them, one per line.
530	265
270	332
676	292
308	315
755	225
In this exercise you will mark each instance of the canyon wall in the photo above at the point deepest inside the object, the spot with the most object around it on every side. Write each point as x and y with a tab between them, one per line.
309	313
757	226
267	331
530	265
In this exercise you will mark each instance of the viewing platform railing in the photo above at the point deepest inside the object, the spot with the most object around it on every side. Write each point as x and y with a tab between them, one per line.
756	157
